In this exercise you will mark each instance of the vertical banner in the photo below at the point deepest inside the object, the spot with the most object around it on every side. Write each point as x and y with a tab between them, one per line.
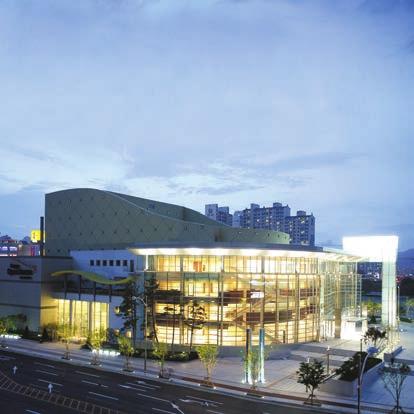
262	354
247	378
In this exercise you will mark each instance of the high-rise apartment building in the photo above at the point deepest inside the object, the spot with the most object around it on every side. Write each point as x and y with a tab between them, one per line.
301	228
221	214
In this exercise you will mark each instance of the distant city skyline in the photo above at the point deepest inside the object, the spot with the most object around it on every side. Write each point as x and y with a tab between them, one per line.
200	102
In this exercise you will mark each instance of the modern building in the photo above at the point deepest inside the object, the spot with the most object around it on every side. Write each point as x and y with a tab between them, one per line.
214	283
221	214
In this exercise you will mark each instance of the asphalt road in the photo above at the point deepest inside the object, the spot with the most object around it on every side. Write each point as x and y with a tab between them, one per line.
118	392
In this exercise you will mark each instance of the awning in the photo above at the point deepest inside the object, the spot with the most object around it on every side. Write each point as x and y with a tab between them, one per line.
94	277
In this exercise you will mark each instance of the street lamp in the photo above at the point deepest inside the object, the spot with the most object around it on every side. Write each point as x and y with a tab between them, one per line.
145	303
327	359
372	350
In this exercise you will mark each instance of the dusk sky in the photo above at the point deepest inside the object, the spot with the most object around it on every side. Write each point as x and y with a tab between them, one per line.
310	103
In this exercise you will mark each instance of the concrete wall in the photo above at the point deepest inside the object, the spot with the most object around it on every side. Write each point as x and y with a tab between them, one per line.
28	290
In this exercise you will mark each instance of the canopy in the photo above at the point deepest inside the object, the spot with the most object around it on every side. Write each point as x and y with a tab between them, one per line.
94	277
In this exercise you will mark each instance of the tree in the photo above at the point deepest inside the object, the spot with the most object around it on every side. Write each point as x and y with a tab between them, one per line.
208	355
160	352
377	338
196	319
6	325
97	338
311	375
373	309
409	305
151	287
254	365
127	350
394	376
128	310
65	333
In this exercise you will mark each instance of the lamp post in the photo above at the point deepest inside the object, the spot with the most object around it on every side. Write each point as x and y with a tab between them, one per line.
327	359
145	303
370	351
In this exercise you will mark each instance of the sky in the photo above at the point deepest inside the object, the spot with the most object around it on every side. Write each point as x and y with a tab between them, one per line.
309	103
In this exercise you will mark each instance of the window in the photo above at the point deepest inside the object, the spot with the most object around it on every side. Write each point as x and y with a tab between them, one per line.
124	262
111	263
98	263
104	262
118	263
91	262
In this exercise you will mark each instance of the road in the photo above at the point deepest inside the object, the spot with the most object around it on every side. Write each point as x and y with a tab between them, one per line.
101	392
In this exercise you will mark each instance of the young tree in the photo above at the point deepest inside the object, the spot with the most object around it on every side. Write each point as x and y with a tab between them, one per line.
196	319
373	309
128	309
160	352
97	338
375	337
151	287
65	333
6	325
409	305
311	375
208	355
127	350
253	363
394	376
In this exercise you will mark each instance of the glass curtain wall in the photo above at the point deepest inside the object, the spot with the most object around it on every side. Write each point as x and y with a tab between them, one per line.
213	299
83	316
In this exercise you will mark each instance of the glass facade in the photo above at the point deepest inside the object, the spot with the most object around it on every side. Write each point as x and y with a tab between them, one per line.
214	299
84	316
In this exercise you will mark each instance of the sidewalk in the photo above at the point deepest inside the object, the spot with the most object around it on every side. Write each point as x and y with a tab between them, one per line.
280	386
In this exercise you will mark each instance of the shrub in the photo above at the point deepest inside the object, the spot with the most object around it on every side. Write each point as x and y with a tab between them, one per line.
349	370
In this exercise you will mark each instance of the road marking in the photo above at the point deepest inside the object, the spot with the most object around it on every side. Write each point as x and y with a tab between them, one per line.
144	384
215	412
137	387
44	365
204	399
103	395
155	398
47	372
87	373
50	382
32	412
162	411
94	383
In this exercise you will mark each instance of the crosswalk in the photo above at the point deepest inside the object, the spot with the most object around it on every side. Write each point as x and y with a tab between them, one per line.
60	400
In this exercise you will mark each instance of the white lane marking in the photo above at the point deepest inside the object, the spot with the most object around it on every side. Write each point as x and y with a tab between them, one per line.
44	365
137	387
103	395
94	383
32	412
204	399
47	372
87	373
215	412
162	411
154	398
50	382
144	384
